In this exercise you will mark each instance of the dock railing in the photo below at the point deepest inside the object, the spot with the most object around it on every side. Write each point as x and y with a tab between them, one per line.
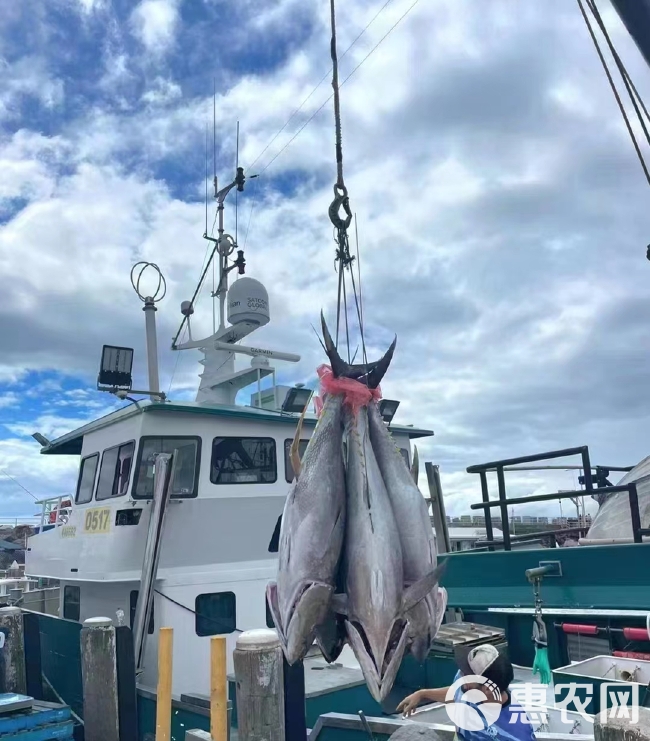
503	501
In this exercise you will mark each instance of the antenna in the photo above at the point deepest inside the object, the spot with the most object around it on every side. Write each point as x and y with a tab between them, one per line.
214	134
237	192
206	177
150	301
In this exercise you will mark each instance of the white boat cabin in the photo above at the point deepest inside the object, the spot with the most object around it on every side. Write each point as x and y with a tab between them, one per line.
221	529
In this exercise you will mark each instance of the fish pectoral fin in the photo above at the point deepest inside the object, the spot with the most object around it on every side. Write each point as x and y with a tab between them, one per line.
272	602
295	446
340	604
415	467
418	591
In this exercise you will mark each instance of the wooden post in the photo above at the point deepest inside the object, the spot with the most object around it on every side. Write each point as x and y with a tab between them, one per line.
12	651
295	714
164	694
620	729
260	691
218	689
438	507
99	676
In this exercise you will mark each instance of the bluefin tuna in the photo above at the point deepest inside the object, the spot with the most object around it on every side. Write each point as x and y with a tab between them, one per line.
377	602
311	536
416	536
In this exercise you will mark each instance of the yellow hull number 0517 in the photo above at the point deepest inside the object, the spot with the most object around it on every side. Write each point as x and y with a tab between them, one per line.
97	520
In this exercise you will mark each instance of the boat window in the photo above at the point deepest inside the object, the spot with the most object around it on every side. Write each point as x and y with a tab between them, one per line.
288	468
186	470
215	613
71	603
86	481
133	602
115	471
243	460
405	455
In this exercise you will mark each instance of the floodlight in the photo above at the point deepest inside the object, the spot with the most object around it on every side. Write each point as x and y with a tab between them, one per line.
41	439
115	369
387	409
296	399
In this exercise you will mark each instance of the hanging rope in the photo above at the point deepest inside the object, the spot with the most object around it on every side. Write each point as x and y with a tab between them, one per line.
337	102
612	84
340	203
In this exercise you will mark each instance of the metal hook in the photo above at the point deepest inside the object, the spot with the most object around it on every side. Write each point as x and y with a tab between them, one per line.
340	200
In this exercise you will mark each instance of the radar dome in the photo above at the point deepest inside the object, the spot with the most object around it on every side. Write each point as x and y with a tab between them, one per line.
248	301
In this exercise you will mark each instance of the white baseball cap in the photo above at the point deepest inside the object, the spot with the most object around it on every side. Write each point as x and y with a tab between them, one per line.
479	659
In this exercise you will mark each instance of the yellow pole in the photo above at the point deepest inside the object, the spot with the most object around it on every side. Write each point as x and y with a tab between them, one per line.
218	690
164	697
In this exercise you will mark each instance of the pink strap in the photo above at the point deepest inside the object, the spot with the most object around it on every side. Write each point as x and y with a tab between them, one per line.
355	393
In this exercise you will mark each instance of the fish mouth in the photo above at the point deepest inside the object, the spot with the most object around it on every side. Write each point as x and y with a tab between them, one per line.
367	373
297	626
378	671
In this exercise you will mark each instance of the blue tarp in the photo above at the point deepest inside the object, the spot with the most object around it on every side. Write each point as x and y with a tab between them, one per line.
635	14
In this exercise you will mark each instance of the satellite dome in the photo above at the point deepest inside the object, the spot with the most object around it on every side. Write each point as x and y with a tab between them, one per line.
248	301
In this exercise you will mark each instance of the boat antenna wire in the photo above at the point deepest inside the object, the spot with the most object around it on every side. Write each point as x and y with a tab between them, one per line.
325	102
318	84
637	102
344	259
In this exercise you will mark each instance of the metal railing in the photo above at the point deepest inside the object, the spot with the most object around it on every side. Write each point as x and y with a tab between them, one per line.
503	501
55	511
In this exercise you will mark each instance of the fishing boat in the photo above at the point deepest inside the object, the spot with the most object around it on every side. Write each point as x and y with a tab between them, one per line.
218	537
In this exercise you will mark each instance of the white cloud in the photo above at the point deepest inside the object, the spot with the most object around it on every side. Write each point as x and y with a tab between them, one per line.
154	23
27	77
162	92
8	399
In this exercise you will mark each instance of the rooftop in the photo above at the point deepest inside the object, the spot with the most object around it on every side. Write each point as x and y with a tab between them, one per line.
71	442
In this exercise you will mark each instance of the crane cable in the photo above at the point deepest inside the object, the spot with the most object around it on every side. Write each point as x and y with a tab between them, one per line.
624	74
341	201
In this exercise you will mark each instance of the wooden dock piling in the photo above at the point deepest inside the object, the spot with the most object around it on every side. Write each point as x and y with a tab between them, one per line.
164	694
99	676
218	689
260	690
12	652
621	728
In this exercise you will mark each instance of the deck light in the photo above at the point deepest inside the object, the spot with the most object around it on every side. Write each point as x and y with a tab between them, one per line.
115	369
387	409
41	439
296	399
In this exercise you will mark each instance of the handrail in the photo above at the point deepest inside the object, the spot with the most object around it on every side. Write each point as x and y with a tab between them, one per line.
503	500
54	504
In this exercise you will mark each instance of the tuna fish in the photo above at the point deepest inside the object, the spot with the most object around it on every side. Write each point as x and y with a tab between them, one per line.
377	602
416	536
311	536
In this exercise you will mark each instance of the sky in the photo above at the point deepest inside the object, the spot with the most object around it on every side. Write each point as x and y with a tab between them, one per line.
502	214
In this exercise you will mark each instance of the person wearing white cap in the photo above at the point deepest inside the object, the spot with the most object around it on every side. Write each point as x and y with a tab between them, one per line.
481	707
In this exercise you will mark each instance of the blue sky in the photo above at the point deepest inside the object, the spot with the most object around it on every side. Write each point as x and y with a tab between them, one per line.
502	215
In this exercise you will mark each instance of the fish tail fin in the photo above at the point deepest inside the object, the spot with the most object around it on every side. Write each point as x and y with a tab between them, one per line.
381	366
339	366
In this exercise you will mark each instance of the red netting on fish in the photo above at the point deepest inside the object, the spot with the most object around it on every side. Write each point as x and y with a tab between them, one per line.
356	394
